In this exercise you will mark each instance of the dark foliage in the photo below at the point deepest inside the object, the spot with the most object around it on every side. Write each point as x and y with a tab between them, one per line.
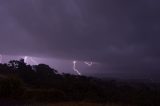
40	83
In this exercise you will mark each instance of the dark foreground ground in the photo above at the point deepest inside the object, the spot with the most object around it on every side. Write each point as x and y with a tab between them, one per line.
40	85
62	104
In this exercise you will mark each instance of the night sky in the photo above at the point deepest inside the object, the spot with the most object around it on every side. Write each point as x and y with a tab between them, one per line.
122	37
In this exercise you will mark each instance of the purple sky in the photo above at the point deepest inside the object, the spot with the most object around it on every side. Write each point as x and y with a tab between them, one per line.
121	35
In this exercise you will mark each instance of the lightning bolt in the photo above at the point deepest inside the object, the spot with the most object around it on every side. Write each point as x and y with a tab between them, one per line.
74	68
85	62
88	63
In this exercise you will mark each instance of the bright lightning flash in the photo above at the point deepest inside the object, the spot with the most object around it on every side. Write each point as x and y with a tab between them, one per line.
74	68
31	59
88	63
25	59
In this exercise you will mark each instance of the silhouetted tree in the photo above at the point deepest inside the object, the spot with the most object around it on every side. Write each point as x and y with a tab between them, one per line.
43	83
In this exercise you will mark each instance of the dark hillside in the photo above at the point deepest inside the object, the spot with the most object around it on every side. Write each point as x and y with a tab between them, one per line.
40	83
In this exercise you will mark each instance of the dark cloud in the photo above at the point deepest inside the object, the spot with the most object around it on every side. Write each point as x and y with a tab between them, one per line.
120	34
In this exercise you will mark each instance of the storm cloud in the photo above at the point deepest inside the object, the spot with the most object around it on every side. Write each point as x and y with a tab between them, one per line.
122	35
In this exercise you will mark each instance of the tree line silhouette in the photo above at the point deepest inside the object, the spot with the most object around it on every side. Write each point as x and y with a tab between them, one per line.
40	83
